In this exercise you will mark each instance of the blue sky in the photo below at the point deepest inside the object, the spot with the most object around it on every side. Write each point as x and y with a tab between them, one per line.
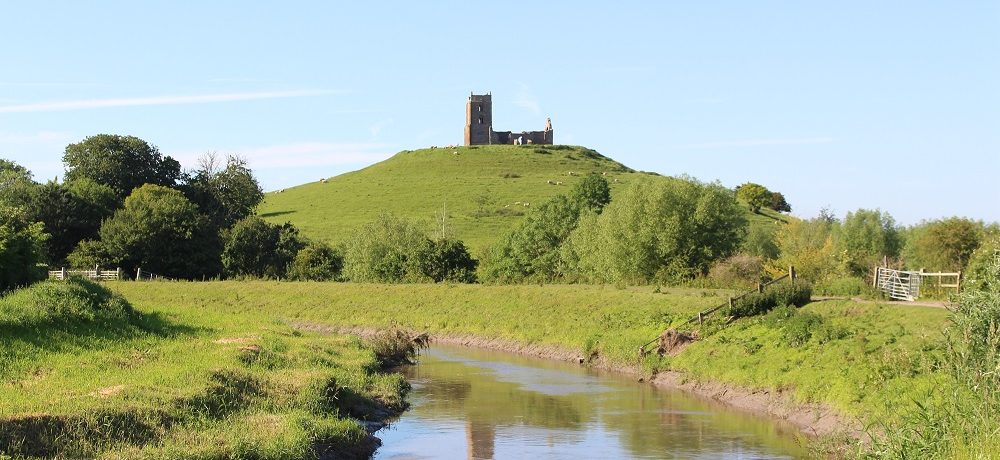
891	105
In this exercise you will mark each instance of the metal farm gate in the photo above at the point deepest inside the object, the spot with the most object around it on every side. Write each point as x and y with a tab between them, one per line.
898	284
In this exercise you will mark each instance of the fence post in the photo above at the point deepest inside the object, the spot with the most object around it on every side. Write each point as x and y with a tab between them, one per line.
760	287
700	319
791	273
97	272
118	273
62	274
138	273
731	303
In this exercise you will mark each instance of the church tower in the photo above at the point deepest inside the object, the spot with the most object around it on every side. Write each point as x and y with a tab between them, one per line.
478	119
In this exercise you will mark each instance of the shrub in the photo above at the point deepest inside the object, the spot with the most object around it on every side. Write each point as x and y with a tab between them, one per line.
260	249
316	262
73	299
738	270
784	293
448	260
21	249
843	286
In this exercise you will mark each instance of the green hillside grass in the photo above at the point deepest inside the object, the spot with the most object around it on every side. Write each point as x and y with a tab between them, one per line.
480	186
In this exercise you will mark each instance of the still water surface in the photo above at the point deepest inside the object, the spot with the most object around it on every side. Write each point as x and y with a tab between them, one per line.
472	403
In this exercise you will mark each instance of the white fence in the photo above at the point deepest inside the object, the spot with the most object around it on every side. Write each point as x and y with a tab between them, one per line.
96	274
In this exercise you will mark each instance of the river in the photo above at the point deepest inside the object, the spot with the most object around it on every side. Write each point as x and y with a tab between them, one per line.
473	403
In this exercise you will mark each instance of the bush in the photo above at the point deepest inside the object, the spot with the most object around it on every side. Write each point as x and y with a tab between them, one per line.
448	260
260	249
844	286
316	262
73	299
739	270
776	295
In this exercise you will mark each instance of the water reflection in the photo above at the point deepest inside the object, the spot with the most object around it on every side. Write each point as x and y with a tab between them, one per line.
469	403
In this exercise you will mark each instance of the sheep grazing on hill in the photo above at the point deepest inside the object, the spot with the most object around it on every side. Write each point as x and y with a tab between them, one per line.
322	181
526	204
571	173
605	173
549	182
616	180
558	182
517	202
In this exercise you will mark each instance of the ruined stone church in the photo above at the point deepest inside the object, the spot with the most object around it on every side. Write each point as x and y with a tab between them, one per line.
479	126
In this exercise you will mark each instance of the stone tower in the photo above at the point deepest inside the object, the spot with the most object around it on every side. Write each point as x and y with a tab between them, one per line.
478	119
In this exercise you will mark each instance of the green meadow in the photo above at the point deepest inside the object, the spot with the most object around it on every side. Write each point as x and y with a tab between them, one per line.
85	374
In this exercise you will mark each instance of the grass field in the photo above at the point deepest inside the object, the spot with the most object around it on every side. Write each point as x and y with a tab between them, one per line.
864	359
484	189
83	374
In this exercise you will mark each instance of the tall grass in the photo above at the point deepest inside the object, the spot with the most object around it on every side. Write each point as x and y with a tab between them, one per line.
964	420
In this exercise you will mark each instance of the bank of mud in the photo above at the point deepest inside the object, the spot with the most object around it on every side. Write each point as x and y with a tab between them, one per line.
815	420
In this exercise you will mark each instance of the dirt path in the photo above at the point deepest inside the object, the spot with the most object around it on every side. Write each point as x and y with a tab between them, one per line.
813	419
898	303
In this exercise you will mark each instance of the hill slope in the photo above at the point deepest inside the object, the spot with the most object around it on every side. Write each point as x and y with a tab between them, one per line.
484	189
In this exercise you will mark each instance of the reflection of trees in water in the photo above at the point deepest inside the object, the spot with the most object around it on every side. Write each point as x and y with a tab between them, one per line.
647	421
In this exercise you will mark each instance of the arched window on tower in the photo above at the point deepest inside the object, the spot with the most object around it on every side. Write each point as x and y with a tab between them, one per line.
480	120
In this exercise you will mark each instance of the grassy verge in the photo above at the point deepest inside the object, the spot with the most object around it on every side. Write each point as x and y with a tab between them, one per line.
84	374
863	359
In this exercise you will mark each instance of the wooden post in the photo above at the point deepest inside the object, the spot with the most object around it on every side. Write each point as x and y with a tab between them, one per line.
138	273
62	274
97	272
760	287
731	303
700	319
791	273
118	273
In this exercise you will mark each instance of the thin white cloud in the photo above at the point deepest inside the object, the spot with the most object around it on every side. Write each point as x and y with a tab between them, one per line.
756	143
377	127
300	154
154	100
39	137
526	100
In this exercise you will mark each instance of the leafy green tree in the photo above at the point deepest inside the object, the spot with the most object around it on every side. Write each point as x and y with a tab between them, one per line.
754	195
257	248
762	242
531	249
21	249
386	250
226	194
808	246
316	262
71	212
864	238
657	230
159	230
943	245
16	184
120	162
593	193
977	270
448	260
778	202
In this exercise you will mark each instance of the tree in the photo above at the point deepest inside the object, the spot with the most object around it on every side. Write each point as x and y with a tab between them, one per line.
257	248
16	184
592	193
71	212
386	250
666	229
21	249
316	262
865	237
120	162
224	194
159	230
754	195
448	260
943	245
531	249
778	203
808	246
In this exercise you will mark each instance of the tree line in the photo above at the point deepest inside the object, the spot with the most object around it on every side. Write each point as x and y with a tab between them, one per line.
124	204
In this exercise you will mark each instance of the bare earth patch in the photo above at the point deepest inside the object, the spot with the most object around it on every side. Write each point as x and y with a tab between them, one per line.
109	391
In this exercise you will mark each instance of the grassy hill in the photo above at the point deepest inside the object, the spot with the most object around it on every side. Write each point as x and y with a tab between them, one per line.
485	190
